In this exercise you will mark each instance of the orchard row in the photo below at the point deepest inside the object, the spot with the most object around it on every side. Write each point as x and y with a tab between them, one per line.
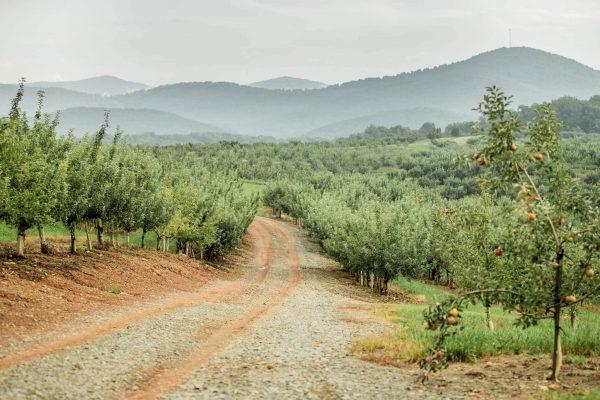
111	188
528	239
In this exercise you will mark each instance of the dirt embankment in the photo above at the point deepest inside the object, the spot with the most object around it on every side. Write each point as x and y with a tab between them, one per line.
42	292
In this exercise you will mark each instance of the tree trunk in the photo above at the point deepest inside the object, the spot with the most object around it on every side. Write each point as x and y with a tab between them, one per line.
73	238
99	232
384	286
573	318
143	238
21	242
488	318
158	239
166	244
43	244
128	238
88	241
557	350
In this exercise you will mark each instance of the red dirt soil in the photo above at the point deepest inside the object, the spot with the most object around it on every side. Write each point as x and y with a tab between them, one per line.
41	292
160	380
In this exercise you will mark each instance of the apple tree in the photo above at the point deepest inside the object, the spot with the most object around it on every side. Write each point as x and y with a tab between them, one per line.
550	248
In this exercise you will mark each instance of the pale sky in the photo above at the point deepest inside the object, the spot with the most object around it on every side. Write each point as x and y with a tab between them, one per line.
166	41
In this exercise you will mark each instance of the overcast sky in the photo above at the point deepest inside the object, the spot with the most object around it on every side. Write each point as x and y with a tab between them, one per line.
164	41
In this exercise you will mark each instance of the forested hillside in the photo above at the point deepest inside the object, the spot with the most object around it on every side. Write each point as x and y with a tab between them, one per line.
440	95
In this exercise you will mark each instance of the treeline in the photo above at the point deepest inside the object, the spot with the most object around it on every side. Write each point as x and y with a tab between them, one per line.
111	189
575	114
401	134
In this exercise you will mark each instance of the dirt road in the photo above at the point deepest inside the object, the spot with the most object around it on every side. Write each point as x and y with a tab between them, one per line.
280	330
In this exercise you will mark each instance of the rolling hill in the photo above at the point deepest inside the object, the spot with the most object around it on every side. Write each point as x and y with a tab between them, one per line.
530	75
132	121
434	94
103	85
288	83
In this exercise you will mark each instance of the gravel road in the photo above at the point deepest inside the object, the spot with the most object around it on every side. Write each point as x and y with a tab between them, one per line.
279	331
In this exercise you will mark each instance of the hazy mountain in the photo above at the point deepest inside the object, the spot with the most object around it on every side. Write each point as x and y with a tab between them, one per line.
131	121
288	83
532	76
528	74
102	85
195	137
55	99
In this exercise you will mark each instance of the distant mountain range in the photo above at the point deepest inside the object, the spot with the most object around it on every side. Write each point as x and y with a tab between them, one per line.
441	95
102	85
130	120
288	83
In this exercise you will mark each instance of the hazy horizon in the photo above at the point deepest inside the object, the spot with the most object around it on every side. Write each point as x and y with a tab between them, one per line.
156	42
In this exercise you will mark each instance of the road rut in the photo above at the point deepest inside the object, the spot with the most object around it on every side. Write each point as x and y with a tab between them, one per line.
278	331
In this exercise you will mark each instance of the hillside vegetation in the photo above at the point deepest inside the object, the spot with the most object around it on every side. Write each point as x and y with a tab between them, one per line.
440	95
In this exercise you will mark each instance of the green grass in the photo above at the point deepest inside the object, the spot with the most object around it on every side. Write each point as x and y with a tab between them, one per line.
252	187
58	230
117	289
477	341
591	395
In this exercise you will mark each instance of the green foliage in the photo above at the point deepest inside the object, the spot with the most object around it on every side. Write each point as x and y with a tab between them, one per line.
576	115
118	188
546	229
31	168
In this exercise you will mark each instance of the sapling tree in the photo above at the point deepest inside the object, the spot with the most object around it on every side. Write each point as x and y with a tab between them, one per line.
32	159
101	179
76	191
551	240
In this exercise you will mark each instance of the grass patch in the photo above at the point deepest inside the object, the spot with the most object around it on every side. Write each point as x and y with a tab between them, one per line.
253	187
591	395
117	289
411	340
388	349
55	230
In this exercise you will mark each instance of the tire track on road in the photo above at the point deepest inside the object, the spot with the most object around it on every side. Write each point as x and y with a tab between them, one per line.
264	255
227	290
162	380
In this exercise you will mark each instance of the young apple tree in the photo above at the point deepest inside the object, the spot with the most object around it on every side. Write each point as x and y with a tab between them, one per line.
32	170
551	240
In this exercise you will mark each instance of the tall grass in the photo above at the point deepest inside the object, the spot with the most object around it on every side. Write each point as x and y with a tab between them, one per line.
476	340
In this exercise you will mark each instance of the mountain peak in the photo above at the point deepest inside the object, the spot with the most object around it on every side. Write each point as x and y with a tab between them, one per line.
105	85
288	83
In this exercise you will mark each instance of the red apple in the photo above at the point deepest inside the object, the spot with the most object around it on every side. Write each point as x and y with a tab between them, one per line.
532	217
589	273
